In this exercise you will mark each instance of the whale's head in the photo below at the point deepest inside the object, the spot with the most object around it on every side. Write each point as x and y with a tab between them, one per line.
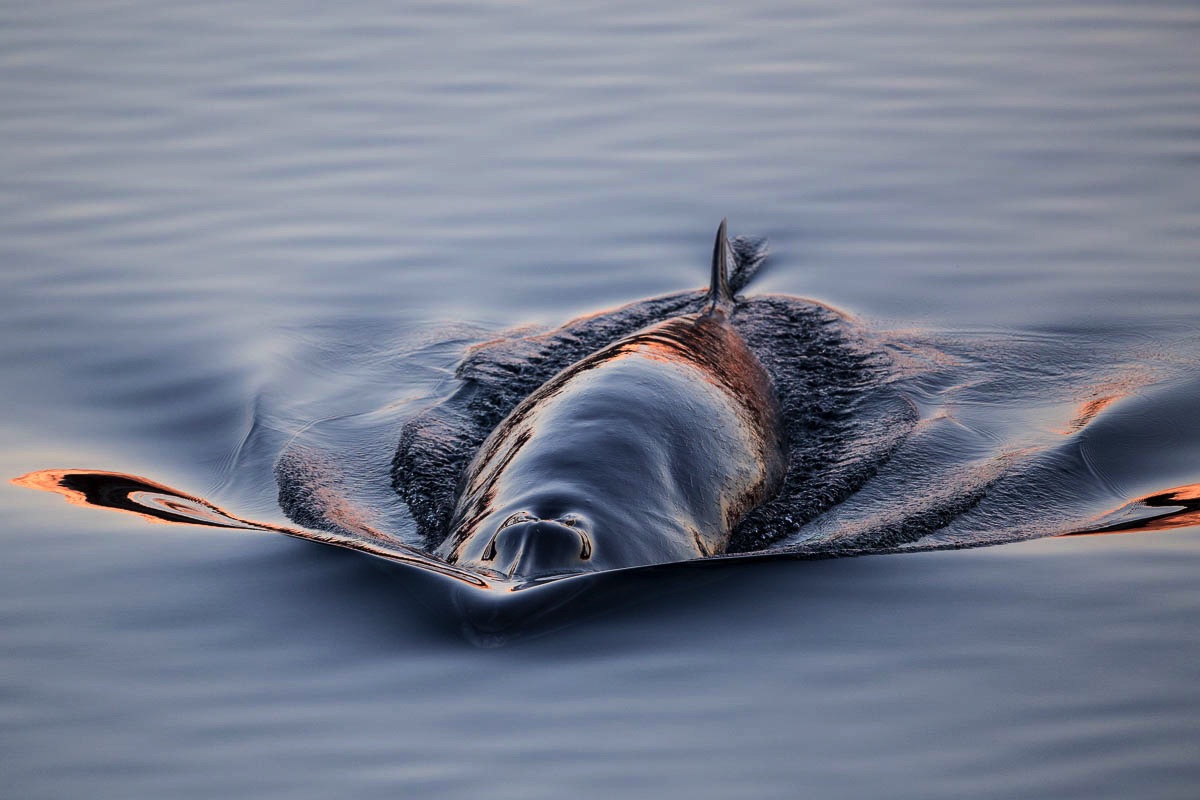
525	545
535	537
555	533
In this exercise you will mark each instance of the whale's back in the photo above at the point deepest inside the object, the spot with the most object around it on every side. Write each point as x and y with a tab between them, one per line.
670	436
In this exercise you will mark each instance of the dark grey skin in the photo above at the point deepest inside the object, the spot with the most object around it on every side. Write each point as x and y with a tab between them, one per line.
648	451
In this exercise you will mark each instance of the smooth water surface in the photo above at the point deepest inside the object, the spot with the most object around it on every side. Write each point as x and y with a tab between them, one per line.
231	230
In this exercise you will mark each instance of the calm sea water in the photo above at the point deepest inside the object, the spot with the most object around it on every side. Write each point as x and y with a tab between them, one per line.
223	227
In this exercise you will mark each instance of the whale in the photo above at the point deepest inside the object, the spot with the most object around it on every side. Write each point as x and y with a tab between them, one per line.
648	451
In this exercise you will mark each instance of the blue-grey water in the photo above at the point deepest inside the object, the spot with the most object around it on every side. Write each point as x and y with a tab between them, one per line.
229	228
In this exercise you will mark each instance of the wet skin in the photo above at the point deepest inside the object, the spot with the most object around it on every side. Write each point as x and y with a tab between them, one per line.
648	451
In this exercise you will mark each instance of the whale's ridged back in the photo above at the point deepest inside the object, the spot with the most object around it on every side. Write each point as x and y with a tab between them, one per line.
684	404
840	417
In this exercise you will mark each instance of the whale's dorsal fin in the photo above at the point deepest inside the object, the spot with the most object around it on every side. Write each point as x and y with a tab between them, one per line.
719	293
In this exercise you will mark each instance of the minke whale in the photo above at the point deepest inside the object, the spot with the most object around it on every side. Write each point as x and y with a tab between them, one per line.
650	450
694	427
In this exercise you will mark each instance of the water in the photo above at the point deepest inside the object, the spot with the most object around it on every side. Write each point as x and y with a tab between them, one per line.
225	230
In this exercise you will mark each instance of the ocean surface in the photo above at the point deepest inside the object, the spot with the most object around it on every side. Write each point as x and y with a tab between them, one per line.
228	231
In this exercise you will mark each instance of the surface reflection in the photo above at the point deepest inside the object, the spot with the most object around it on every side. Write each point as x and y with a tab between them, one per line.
1183	503
1087	412
158	503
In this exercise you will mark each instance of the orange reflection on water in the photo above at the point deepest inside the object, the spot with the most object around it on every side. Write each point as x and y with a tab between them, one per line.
156	502
1087	412
1183	500
153	502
